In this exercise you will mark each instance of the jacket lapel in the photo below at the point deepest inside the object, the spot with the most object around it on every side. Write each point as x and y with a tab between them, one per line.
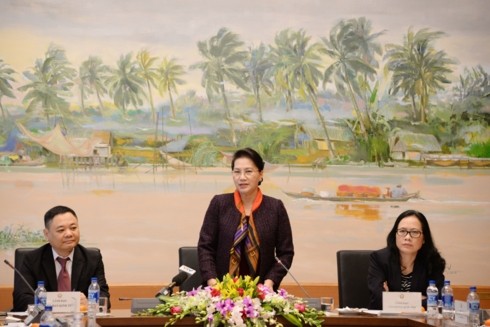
49	269
76	268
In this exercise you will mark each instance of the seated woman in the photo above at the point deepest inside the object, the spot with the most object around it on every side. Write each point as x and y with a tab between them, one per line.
408	262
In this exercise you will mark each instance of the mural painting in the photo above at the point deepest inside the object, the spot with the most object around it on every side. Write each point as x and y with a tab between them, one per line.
129	112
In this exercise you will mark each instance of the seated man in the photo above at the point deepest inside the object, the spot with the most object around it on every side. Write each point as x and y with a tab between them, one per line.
62	232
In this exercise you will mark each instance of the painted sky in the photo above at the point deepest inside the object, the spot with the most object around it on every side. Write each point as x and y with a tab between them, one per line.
110	28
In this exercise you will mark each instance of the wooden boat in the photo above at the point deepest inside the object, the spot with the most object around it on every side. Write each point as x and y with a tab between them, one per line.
478	162
381	198
174	162
447	160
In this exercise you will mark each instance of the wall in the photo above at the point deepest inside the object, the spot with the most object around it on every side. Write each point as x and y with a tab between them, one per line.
140	214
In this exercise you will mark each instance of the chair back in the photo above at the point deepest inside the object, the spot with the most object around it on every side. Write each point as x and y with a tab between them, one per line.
352	272
188	257
20	254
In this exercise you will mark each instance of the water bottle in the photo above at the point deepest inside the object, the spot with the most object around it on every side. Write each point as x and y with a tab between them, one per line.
473	301
447	296
47	319
432	298
93	301
40	295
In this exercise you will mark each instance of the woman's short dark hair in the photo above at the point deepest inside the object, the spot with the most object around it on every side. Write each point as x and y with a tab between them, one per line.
428	253
250	154
53	212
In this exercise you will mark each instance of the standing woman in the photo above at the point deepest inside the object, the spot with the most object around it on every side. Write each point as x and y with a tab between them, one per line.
243	232
408	262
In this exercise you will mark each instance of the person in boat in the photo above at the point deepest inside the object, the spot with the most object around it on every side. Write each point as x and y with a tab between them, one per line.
408	262
398	191
246	233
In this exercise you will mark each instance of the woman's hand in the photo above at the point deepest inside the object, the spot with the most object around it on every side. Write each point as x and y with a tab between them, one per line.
269	283
211	282
385	287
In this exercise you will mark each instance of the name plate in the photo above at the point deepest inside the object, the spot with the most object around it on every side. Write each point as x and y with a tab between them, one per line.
461	312
402	302
64	301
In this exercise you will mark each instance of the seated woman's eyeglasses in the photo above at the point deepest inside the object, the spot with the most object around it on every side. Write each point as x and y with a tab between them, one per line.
246	172
404	232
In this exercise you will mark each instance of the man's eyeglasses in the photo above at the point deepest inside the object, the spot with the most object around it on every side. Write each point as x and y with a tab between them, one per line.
404	232
246	172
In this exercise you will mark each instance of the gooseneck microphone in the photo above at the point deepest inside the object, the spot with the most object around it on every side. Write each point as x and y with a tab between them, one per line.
20	275
176	281
38	310
184	273
290	274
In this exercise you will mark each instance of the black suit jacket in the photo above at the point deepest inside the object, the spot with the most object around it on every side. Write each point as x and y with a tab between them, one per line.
382	268
218	231
39	265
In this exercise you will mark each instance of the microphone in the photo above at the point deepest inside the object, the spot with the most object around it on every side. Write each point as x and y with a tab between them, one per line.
38	310
184	273
20	275
290	274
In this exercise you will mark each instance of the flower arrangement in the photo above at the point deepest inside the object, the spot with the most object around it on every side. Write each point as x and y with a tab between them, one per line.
237	301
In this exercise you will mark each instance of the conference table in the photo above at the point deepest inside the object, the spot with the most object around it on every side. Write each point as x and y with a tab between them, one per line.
124	317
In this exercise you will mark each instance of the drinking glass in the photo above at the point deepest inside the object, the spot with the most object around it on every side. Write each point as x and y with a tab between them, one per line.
326	303
103	305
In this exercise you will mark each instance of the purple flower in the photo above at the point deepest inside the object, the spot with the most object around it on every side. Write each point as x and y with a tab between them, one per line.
282	292
248	308
193	292
225	306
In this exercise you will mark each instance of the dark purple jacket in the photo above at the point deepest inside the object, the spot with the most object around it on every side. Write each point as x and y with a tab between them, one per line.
218	230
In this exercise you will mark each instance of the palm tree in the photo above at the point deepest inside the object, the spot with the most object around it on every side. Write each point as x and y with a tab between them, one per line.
126	84
368	49
418	69
148	73
49	83
93	74
258	74
343	46
360	35
168	76
304	70
6	79
223	61
280	56
474	82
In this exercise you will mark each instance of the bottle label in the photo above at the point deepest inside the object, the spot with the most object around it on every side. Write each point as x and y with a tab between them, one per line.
474	305
40	300
432	300
447	301
93	296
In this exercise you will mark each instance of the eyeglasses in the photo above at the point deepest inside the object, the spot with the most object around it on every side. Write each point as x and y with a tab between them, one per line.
404	232
246	172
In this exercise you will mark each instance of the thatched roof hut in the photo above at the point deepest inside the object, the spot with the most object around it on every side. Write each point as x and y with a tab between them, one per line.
411	146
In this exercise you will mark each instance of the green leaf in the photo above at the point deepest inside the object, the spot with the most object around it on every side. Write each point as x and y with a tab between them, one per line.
293	319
